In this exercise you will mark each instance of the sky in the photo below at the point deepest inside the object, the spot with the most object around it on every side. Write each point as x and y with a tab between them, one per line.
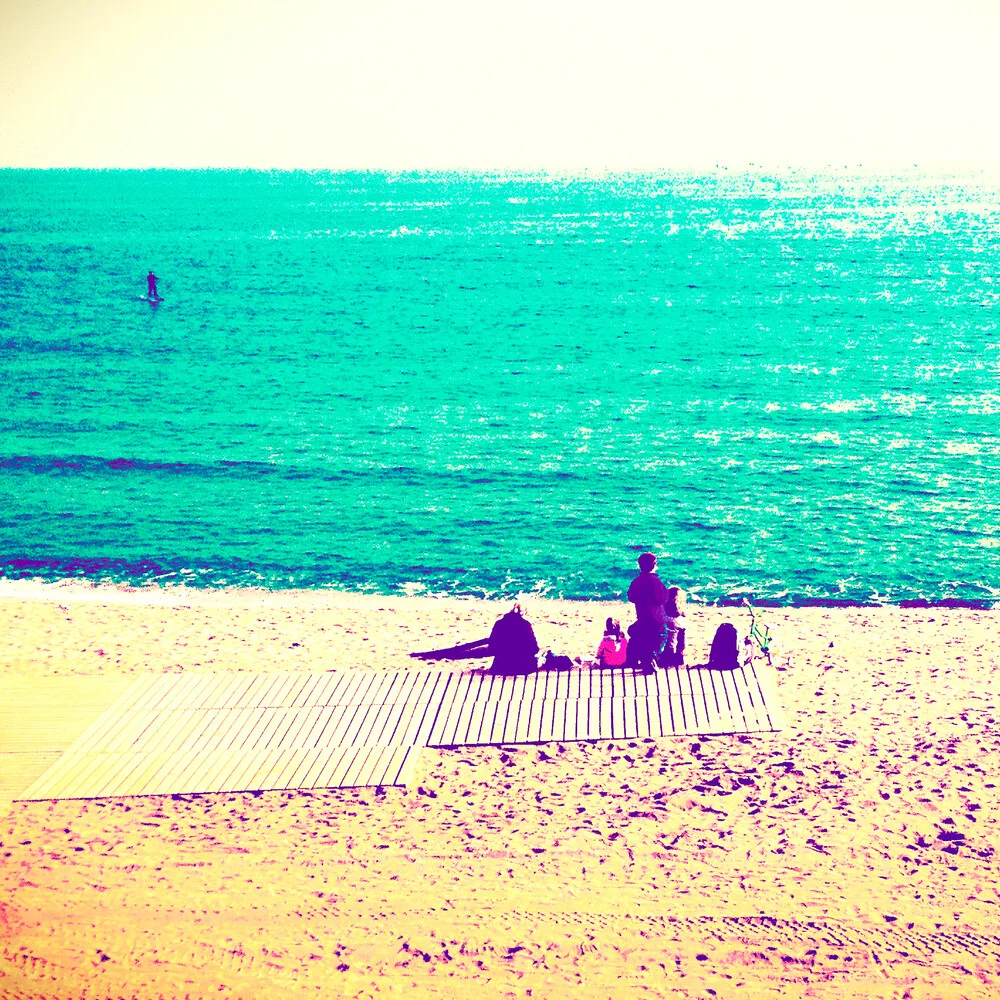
472	84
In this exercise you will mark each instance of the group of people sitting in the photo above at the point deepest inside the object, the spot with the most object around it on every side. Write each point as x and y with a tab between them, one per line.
656	637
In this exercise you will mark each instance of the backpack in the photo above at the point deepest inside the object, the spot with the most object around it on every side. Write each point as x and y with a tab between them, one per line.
725	651
553	662
513	645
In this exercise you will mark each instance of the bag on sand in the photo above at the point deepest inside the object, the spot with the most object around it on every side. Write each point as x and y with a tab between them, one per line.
553	662
513	645
724	654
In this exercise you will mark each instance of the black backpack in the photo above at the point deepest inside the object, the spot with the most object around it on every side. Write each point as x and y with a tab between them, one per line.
725	649
513	644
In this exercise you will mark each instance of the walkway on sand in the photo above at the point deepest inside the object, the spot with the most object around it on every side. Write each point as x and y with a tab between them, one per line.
216	732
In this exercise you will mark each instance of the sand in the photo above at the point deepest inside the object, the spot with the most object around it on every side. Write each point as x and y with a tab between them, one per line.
849	855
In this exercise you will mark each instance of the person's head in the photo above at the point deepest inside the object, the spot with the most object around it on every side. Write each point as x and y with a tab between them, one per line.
611	627
647	562
675	602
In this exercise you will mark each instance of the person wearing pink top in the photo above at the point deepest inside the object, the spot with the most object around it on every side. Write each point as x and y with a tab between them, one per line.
614	646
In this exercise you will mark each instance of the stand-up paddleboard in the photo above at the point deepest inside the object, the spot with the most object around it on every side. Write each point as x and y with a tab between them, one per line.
151	300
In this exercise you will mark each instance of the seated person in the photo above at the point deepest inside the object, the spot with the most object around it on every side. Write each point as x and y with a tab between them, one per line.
613	650
513	645
676	623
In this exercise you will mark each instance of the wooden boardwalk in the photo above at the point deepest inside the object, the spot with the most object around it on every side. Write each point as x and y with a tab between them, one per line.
189	733
41	718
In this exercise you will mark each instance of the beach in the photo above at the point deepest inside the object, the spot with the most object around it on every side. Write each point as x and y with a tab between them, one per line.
849	854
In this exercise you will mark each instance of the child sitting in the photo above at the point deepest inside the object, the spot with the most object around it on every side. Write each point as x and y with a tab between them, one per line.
614	646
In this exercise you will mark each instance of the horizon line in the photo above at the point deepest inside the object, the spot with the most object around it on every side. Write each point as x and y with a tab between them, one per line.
722	166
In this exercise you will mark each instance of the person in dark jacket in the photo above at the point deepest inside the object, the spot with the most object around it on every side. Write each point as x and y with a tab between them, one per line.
513	644
649	595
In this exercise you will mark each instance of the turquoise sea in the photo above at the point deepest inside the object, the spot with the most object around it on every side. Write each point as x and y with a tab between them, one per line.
785	384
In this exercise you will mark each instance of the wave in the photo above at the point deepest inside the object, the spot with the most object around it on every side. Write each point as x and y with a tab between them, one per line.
442	581
363	469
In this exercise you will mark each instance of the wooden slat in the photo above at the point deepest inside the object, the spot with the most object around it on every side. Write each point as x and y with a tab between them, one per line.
288	731
755	692
252	771
107	779
738	680
767	682
376	719
392	759
293	681
117	777
290	762
411	722
149	690
365	731
50	778
262	693
322	765
349	692
75	774
717	700
265	694
359	767
643	728
94	734
297	777
280	683
178	686
408	766
473	700
390	762
457	724
301	696
326	719
482	717
588	718
133	693
339	721
266	761
731	691
497	720
438	718
247	695
123	732
396	765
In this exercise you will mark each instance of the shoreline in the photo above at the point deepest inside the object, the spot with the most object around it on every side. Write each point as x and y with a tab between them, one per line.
74	588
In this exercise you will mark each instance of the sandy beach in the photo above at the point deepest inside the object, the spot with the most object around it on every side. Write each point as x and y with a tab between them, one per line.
849	855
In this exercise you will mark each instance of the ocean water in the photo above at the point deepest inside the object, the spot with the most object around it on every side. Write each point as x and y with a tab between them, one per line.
784	384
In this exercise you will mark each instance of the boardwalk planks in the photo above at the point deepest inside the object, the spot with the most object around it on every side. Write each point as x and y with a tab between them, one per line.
187	733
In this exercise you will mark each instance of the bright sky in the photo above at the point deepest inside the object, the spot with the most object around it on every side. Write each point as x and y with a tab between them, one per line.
538	84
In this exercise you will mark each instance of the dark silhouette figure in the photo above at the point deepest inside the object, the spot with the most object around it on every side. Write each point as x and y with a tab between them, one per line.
725	653
511	643
647	633
151	280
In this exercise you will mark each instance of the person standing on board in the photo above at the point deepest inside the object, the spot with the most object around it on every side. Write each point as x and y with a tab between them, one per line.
151	280
647	633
